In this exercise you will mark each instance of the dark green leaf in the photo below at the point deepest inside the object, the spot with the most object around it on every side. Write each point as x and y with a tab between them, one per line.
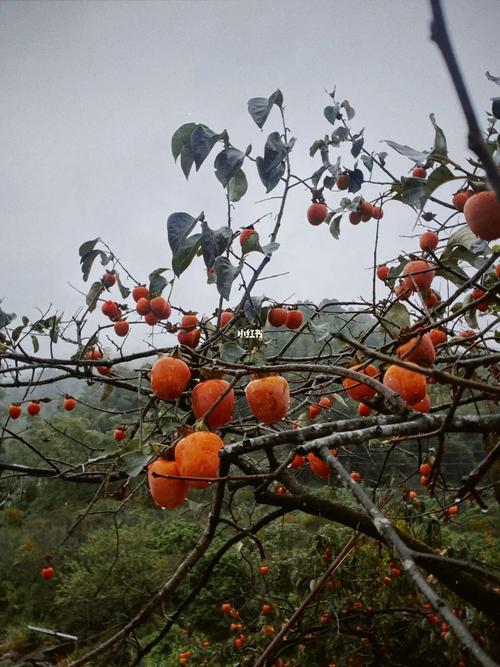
226	273
356	179
181	138
418	157
451	271
348	109
471	314
411	191
187	159
17	332
231	351
227	163
36	344
260	107
317	175
124	291
202	140
86	247
495	107
157	282
335	227
339	135
357	145
436	178
185	253
495	79
317	145
213	243
107	390
368	162
5	318
134	462
272	166
88	259
238	186
396	318
93	294
179	226
331	113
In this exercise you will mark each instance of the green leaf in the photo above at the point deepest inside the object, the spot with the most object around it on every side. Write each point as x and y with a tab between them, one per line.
87	247
93	294
350	113
107	390
466	238
418	157
202	140
180	138
226	273
495	79
269	248
6	318
187	159
439	147
213	242
471	314
157	282
124	291
335	227
227	164
260	107
87	260
396	319
36	344
238	186
185	253
17	332
452	272
320	332
133	463
331	113
179	226
231	352
411	191
439	176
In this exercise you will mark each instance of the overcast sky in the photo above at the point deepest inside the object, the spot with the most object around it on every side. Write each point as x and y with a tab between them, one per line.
91	93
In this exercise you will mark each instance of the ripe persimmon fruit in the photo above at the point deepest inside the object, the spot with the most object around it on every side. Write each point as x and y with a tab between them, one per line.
377	213
33	408
358	391
438	336
277	317
318	466
342	181
205	394
140	292
459	199
294	319
354	217
169	378
366	210
108	279
246	234
167	493
119	434
225	317
14	410
422	406
316	213
160	307
143	306
69	403
121	328
383	272
268	398
189	321
409	384
151	319
429	241
482	214
364	410
420	350
197	455
419	172
418	275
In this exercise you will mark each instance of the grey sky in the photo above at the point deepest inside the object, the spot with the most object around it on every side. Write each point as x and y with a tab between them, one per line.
91	93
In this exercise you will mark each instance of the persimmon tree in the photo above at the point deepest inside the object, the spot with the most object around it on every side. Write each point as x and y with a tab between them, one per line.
230	411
